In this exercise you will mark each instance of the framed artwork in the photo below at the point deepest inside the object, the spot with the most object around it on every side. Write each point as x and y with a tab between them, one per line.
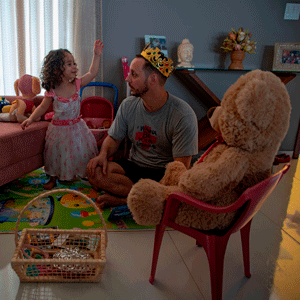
286	57
157	41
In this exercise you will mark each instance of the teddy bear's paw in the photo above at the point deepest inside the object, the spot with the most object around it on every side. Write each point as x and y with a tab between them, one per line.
173	172
146	202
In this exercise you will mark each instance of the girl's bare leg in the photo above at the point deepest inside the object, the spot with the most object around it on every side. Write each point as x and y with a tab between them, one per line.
51	183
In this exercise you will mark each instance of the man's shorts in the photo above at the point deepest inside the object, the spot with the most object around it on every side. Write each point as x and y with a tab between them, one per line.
135	172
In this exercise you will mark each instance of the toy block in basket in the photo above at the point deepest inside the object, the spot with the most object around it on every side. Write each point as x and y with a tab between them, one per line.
60	255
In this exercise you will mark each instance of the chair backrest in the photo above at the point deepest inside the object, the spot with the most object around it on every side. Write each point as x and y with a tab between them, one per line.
255	196
96	107
108	85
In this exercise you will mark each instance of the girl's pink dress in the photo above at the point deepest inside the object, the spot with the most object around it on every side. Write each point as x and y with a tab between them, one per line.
69	142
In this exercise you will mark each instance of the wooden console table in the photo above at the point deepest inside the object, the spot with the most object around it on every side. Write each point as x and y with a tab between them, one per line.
196	86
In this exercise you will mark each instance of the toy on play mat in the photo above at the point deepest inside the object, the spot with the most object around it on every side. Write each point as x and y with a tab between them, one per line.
39	213
60	255
119	212
98	112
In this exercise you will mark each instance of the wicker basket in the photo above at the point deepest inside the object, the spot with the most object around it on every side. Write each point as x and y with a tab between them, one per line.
33	259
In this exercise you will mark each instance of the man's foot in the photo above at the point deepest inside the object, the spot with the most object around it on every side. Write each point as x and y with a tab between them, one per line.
50	184
110	200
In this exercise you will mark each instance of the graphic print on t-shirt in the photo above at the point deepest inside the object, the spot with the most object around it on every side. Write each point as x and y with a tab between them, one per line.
146	138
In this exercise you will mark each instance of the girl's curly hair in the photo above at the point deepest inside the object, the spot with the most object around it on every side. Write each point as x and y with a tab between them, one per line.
52	69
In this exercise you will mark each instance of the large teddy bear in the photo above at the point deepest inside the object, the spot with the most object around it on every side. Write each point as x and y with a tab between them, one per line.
253	120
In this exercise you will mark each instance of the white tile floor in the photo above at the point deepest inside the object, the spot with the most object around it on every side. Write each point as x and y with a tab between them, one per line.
182	271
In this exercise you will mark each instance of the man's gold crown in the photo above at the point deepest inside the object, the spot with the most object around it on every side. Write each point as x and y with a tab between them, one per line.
164	66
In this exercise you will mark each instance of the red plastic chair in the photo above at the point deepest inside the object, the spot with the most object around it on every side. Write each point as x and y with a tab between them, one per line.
214	242
98	111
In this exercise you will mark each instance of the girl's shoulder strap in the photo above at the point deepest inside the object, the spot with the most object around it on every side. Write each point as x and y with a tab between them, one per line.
50	94
78	83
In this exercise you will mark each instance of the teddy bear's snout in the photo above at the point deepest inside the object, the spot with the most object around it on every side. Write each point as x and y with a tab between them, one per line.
211	111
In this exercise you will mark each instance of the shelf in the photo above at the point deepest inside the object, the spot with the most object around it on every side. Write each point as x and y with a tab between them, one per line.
203	94
297	144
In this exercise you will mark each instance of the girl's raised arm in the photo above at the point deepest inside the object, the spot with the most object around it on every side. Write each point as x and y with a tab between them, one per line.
94	68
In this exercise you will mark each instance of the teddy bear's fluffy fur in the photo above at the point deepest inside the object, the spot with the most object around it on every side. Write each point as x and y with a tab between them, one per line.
253	120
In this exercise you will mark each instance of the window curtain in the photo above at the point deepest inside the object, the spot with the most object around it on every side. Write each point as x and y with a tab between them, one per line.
29	29
84	36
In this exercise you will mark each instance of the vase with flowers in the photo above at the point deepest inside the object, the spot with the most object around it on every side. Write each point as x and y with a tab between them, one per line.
238	42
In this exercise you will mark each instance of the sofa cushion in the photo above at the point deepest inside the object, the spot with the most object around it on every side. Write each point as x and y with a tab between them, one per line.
17	144
21	168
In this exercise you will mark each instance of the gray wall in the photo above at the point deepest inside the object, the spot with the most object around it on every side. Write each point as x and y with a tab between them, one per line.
205	24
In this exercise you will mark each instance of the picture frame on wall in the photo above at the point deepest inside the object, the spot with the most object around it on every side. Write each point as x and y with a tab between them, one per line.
158	41
286	57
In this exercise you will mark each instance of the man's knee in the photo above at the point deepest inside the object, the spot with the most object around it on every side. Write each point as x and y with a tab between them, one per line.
88	172
96	179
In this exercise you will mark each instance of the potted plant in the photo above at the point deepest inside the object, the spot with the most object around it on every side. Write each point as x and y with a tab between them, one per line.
238	42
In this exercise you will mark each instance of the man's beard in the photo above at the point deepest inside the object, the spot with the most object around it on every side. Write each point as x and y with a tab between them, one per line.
140	93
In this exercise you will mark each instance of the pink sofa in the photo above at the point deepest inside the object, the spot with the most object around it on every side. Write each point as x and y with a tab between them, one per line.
21	151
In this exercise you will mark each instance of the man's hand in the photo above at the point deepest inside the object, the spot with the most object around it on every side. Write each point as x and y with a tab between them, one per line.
94	162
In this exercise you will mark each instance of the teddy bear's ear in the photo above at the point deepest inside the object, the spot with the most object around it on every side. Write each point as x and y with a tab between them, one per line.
16	87
255	103
36	85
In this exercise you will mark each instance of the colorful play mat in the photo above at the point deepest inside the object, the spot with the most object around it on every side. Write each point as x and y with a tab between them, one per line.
59	210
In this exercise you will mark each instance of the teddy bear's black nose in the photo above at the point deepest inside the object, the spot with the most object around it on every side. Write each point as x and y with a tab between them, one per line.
210	112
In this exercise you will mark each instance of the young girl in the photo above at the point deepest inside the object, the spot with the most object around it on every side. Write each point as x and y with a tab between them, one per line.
69	142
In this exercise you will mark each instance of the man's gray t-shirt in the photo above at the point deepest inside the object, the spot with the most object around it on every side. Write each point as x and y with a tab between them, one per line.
156	137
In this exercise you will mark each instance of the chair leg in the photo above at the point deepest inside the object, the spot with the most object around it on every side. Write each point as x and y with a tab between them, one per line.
215	250
245	236
159	233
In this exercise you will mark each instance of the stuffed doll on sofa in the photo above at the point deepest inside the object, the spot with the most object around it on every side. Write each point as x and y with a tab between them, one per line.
22	107
4	105
253	119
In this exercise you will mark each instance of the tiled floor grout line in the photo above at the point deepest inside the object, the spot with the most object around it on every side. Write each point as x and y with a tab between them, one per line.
280	228
186	264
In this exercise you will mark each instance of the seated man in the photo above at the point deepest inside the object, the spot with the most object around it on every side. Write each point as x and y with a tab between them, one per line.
161	127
